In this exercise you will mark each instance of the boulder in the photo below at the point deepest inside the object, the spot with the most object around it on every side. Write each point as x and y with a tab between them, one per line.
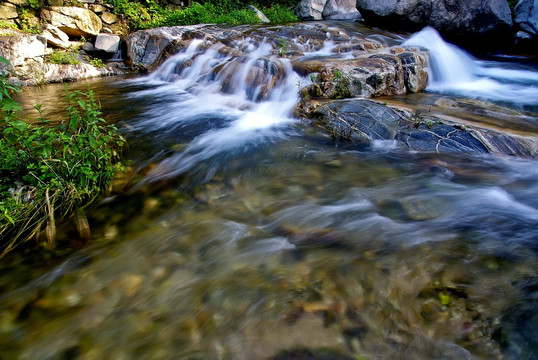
310	9
74	21
363	121
8	11
527	16
18	2
340	10
20	47
107	43
56	37
260	15
368	76
476	24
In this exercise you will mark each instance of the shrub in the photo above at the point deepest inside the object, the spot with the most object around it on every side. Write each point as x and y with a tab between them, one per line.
98	63
51	171
279	14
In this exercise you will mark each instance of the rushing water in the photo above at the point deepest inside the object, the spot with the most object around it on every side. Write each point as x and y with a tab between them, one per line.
250	233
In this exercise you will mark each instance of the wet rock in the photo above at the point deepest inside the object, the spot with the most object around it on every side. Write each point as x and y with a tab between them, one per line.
375	75
306	354
74	21
422	208
360	120
310	9
327	9
473	23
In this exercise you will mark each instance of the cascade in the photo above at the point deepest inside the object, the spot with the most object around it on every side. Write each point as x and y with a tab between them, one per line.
453	71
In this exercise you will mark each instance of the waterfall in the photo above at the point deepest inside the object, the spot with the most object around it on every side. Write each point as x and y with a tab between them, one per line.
453	71
229	103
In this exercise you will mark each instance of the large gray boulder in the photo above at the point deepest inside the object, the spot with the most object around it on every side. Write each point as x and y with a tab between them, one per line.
327	9
527	16
476	24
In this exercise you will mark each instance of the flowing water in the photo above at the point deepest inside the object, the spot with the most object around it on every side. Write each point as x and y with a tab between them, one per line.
250	234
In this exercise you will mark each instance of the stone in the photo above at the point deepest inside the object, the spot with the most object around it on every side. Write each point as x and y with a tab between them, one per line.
55	2
74	21
476	24
310	9
18	2
88	47
340	10
107	43
8	11
56	37
415	71
19	48
109	18
527	16
97	8
260	15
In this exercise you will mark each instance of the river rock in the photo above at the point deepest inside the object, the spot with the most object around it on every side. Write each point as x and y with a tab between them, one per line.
362	120
20	47
373	75
74	21
107	43
56	37
473	23
527	16
8	11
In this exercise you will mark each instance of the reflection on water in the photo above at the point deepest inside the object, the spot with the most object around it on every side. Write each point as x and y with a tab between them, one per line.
272	237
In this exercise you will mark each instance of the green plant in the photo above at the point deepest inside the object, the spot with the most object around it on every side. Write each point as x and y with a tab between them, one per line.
279	14
282	47
5	25
35	4
51	171
98	63
63	57
25	17
341	85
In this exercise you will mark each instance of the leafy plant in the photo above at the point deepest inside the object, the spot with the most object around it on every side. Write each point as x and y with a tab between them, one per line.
51	171
26	24
282	47
5	25
63	57
341	85
97	62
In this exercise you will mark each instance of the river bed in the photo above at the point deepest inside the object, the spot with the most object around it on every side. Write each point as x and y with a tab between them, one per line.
245	233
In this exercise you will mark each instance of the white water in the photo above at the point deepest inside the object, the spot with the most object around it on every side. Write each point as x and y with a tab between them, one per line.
453	71
215	87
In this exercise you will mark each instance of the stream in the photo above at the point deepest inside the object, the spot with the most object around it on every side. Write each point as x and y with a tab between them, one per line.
241	232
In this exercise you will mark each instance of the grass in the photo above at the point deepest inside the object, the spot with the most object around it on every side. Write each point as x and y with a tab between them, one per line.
63	57
49	172
152	15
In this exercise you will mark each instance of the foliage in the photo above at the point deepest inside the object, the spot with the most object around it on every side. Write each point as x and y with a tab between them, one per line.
50	171
98	63
5	25
63	57
342	85
26	23
279	14
512	4
35	4
230	12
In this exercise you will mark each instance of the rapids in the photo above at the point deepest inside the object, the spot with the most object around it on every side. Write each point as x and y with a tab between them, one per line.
249	234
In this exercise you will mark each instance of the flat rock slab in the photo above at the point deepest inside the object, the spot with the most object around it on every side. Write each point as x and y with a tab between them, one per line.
362	121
